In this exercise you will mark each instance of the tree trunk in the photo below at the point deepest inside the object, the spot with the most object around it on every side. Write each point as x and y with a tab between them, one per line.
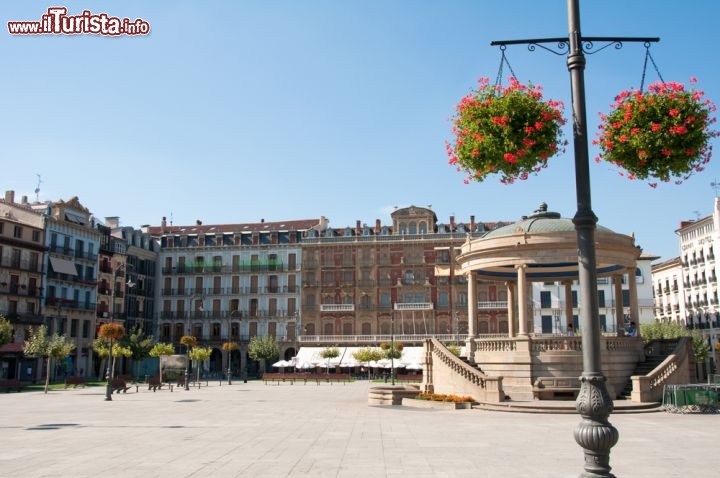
47	374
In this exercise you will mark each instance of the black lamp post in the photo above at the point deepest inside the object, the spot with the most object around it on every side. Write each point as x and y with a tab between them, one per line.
110	369
392	346
594	434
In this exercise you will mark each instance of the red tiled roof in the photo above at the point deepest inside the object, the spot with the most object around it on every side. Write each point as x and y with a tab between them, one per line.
295	225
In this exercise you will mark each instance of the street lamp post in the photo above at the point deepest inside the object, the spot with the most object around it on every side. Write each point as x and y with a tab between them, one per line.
594	434
109	372
392	346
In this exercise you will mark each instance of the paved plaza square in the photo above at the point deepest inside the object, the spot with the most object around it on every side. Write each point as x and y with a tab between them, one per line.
256	430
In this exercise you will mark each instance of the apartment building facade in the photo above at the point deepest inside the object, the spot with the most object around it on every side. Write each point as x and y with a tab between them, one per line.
22	249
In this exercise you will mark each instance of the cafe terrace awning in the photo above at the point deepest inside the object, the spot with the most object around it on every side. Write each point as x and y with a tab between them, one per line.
63	266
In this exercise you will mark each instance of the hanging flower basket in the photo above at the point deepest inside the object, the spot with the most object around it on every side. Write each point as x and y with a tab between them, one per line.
661	134
509	131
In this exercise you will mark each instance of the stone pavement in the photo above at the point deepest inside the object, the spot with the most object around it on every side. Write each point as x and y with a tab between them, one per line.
256	430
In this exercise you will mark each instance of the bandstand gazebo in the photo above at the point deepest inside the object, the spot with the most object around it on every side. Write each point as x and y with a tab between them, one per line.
542	247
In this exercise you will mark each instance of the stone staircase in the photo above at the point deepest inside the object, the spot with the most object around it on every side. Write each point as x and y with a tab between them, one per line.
643	368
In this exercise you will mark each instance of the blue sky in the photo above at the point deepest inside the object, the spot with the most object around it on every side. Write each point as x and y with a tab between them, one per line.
232	112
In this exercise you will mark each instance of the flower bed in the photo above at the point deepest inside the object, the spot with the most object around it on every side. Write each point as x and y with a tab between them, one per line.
509	131
662	134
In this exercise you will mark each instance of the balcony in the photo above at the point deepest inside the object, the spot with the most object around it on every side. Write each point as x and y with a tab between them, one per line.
493	305
414	306
337	307
23	265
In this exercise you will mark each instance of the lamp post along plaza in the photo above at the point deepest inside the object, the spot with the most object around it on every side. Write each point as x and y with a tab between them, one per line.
111	331
594	434
188	341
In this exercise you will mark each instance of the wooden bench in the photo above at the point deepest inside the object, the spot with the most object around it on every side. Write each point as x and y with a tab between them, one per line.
155	384
74	381
10	384
119	385
550	388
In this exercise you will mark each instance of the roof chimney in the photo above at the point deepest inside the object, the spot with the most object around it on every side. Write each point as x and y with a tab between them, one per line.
24	200
377	227
472	223
358	228
198	222
113	222
10	197
452	223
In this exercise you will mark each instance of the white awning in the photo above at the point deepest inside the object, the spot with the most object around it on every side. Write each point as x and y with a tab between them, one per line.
63	266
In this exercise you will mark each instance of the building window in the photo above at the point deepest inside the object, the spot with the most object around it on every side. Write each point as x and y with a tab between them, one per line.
545	299
73	327
17	232
626	298
86	329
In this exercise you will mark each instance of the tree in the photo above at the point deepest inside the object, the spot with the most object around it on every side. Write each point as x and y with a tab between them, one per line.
200	354
262	349
329	353
139	345
392	351
6	331
40	345
367	355
672	330
159	350
107	333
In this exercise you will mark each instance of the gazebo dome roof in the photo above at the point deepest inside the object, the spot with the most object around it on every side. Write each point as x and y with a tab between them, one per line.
546	245
539	222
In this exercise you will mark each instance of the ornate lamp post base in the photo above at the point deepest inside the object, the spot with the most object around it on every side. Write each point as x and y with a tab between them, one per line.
594	433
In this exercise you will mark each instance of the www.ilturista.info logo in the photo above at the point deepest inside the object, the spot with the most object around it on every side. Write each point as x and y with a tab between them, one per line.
58	22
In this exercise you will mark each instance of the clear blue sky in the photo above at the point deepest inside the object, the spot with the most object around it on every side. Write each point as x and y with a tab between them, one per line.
235	111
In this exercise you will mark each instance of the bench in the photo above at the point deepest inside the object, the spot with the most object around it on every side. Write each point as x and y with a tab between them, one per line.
119	385
551	388
10	384
74	381
155	384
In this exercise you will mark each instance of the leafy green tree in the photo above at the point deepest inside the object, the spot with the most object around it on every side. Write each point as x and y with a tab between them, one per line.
672	330
367	355
160	350
454	349
392	351
140	346
54	347
329	353
199	354
6	331
263	349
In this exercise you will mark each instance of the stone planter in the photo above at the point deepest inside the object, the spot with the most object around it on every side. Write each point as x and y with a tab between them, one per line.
415	403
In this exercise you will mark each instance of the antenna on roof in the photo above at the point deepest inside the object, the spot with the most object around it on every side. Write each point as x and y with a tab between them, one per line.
715	185
171	220
37	189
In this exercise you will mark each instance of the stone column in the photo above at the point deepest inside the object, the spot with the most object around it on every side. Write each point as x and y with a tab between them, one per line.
472	314
634	309
568	303
522	300
619	316
472	305
511	308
